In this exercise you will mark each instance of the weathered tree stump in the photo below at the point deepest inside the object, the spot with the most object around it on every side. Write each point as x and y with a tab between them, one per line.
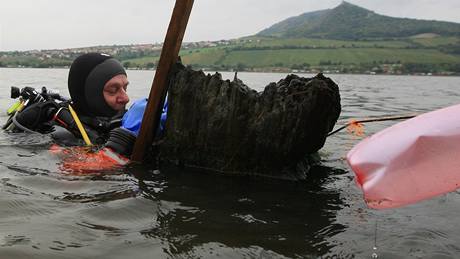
225	126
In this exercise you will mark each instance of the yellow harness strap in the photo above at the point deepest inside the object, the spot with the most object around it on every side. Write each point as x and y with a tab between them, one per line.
80	126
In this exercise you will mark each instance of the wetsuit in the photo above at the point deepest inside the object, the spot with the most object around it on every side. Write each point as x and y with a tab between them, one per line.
54	118
88	75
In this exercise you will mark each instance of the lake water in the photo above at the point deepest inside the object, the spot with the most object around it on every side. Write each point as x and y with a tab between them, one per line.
45	213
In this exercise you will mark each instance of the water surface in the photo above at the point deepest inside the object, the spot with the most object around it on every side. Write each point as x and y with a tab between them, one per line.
47	213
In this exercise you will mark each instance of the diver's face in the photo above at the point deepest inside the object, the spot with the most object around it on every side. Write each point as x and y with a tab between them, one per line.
115	92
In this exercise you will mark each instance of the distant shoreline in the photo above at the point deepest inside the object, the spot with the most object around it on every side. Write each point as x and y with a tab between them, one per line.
271	72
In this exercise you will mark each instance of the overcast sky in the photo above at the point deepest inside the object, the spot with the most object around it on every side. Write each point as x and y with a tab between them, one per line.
50	24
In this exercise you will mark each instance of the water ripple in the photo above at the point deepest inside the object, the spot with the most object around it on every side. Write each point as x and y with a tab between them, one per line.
47	213
10	240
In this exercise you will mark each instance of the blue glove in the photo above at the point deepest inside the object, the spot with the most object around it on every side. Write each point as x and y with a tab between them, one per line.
133	117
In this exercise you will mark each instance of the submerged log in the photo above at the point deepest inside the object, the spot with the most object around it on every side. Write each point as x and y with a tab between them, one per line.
225	126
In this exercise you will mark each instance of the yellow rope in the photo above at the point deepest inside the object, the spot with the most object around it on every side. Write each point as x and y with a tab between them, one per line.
80	127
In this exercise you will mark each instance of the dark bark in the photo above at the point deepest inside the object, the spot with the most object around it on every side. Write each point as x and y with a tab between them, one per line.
225	126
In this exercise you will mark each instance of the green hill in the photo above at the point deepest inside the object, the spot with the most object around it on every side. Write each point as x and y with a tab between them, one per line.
345	39
440	55
351	22
312	55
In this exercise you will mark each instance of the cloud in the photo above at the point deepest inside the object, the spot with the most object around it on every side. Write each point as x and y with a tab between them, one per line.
47	24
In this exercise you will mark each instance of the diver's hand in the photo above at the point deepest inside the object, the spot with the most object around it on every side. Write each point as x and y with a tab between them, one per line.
122	141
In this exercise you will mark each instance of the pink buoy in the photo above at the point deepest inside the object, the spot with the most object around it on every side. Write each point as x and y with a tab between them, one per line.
410	161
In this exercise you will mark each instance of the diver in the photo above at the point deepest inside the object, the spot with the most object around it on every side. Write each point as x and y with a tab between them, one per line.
96	112
97	84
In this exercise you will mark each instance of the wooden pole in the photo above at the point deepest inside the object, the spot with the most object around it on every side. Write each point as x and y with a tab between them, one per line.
169	56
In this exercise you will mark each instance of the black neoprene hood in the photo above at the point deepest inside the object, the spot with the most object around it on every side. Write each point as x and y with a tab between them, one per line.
87	76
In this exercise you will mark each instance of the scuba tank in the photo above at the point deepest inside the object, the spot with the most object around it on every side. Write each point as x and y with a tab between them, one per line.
28	96
46	111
